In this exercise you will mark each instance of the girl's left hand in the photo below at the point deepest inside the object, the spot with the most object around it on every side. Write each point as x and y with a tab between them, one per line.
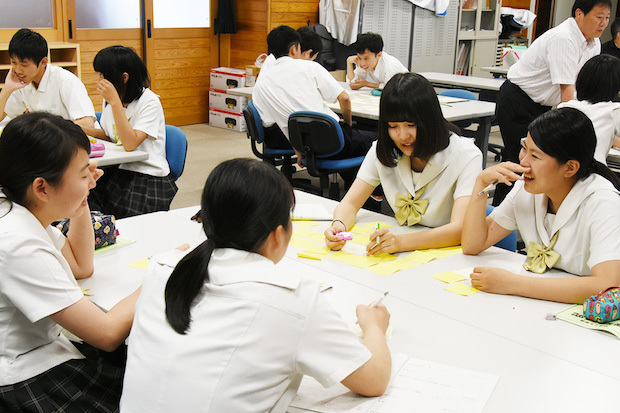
107	90
493	280
388	244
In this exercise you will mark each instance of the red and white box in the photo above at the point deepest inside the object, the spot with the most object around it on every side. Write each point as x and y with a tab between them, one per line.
223	78
227	102
227	120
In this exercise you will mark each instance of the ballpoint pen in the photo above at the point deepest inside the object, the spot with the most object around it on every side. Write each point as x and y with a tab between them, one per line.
378	239
378	300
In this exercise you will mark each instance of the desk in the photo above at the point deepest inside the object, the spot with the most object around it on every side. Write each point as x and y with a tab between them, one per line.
366	106
613	160
496	71
473	83
544	366
116	154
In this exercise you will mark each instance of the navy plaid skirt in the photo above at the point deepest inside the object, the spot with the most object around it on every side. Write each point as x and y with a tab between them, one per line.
126	193
92	384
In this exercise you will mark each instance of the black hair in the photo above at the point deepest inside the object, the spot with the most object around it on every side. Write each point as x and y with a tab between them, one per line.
243	201
586	6
33	145
310	40
410	97
370	41
28	44
568	134
280	40
599	79
113	61
615	28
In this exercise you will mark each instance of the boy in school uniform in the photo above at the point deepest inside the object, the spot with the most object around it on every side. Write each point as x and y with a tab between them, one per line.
310	44
293	84
373	67
34	85
612	47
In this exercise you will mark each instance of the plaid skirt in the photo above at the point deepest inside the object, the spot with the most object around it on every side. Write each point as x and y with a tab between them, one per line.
92	384
127	193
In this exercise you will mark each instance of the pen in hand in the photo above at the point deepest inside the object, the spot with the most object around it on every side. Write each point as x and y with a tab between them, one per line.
487	189
378	239
378	300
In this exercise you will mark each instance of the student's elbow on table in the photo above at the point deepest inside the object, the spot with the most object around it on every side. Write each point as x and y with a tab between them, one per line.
469	249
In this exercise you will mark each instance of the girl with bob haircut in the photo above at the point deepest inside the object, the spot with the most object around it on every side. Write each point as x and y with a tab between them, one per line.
132	116
426	171
598	84
565	206
228	330
45	176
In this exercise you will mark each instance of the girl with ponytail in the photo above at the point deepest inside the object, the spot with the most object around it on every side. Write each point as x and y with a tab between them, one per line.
228	330
566	206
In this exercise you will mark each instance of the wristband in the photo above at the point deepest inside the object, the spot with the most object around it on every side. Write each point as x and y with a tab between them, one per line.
337	220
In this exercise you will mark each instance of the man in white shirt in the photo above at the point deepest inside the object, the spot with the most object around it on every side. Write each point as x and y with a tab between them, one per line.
33	84
373	67
293	84
545	75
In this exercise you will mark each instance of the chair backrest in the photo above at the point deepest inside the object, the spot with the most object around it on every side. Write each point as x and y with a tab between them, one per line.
315	133
176	150
459	93
510	241
254	123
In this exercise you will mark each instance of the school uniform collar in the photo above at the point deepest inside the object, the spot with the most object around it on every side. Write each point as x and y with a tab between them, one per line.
231	266
20	219
44	80
576	32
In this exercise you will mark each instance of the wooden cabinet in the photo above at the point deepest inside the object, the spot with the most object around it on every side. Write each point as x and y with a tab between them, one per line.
66	55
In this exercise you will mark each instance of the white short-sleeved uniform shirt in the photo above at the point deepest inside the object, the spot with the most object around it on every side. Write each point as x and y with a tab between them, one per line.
588	222
254	333
60	92
554	59
448	175
35	281
147	115
386	68
291	85
267	63
605	117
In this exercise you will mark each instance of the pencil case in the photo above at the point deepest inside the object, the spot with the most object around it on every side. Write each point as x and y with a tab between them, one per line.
103	225
603	307
97	150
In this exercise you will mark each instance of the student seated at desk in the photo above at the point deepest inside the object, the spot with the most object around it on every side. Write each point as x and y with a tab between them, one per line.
310	43
227	330
34	85
373	67
566	206
132	116
41	369
426	171
598	83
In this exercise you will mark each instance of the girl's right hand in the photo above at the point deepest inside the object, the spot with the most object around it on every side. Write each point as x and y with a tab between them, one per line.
378	317
332	240
505	172
107	90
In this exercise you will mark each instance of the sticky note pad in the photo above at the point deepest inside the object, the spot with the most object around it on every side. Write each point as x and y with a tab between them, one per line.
373	225
462	289
300	242
449	277
360	239
352	259
305	224
141	264
390	267
303	232
315	252
360	230
420	257
317	236
382	257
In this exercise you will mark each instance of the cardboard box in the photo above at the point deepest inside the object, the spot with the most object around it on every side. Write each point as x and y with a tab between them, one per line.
223	78
227	120
252	70
227	102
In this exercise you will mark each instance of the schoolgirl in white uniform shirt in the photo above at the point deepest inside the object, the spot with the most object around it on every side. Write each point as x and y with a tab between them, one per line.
566	206
133	117
228	331
45	176
426	171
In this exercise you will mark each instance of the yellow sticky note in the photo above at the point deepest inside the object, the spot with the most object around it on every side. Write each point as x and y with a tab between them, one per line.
373	225
437	253
462	289
360	239
390	267
300	242
457	249
352	259
360	230
382	257
141	264
318	237
311	255
449	277
305	224
420	257
303	232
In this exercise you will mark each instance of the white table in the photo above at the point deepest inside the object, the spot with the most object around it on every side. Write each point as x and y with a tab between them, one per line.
473	83
116	154
543	365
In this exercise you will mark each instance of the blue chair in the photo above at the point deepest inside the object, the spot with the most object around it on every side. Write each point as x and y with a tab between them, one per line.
176	150
319	137
510	241
256	135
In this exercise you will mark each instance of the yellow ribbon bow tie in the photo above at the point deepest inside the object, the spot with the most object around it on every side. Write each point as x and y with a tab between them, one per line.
410	210
542	258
